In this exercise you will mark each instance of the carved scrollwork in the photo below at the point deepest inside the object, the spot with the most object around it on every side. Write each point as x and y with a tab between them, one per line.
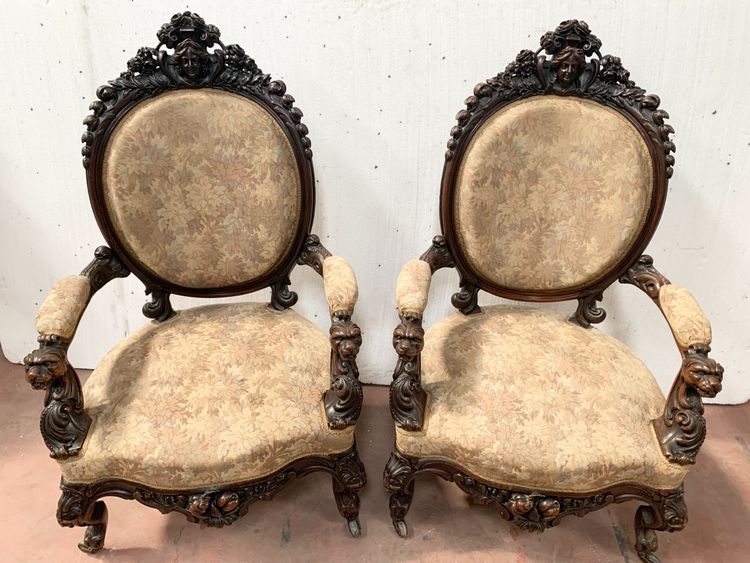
407	398
104	268
588	312
159	307
682	428
313	254
190	64
63	423
438	255
576	68
281	296
467	298
644	276
343	401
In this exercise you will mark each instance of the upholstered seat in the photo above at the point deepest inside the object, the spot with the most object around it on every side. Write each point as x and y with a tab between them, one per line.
500	380
200	174
217	394
554	181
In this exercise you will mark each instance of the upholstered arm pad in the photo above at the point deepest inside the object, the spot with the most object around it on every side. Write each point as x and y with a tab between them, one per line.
64	306
340	285
413	287
685	317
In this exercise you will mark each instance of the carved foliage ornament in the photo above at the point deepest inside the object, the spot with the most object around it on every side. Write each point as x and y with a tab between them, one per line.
190	64
576	68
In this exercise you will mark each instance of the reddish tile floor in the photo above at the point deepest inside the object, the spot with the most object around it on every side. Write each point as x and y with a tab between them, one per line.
302	523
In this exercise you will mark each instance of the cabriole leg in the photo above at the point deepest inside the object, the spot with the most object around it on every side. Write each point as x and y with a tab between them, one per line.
75	508
669	515
349	478
398	478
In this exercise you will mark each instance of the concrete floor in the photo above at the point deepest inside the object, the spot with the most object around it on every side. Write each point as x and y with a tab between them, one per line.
302	523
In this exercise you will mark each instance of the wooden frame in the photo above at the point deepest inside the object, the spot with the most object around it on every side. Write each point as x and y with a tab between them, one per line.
577	68
64	421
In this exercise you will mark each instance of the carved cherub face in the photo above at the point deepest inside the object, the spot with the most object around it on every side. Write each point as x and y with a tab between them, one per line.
346	338
44	365
408	340
703	373
568	65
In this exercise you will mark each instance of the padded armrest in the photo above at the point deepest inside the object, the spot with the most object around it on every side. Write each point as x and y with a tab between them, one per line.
413	287
686	319
340	285
62	309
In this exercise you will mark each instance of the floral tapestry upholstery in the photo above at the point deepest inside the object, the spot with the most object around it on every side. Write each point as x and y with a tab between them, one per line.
202	186
63	307
217	394
413	287
551	193
521	396
685	317
340	285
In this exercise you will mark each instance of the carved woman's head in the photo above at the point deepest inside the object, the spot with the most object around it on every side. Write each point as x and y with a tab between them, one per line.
568	65
191	58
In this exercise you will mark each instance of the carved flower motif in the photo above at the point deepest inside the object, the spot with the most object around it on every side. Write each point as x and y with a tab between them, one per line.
237	59
613	71
144	62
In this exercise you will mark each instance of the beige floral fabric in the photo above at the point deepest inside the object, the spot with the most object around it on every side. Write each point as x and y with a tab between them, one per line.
685	317
521	396
63	307
551	193
202	186
340	284
413	287
218	394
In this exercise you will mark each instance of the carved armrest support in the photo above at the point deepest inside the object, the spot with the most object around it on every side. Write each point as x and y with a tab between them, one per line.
407	397
64	423
343	400
681	429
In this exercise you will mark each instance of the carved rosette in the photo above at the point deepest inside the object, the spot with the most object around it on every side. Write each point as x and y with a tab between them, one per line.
576	68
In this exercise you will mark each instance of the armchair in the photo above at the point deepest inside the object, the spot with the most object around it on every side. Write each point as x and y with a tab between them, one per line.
554	181
200	176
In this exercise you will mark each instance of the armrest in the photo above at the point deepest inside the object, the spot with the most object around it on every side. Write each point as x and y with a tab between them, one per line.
343	400
64	423
340	285
681	429
407	397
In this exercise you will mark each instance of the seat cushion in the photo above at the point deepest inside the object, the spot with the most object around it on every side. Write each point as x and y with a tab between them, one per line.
217	394
521	396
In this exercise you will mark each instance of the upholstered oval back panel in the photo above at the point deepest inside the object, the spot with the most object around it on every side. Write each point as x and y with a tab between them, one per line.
551	193
202	188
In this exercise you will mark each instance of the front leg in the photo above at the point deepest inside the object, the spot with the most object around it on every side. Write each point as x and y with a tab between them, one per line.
64	424
407	397
343	401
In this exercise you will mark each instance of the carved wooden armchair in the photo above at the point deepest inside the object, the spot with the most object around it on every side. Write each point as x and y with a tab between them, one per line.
554	181
200	175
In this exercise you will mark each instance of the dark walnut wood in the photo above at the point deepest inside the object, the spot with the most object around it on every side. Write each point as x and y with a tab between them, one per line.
198	59
407	398
568	62
343	400
682	427
79	504
535	510
64	423
577	68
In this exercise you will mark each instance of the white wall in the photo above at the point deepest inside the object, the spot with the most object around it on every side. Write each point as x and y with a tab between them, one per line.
380	82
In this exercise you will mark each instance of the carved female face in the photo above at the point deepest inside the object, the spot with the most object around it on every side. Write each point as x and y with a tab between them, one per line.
568	65
190	57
